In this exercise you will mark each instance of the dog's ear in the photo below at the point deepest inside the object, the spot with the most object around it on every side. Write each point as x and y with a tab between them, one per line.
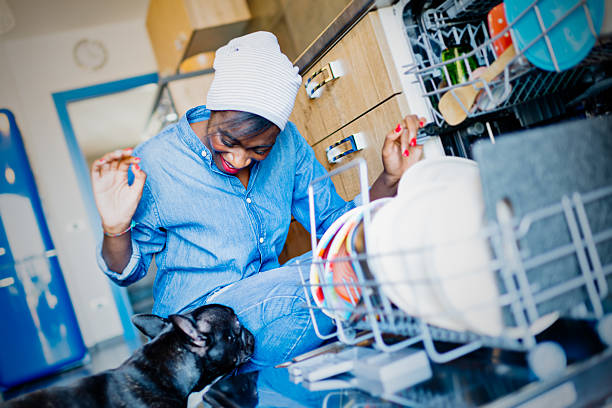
150	325
186	326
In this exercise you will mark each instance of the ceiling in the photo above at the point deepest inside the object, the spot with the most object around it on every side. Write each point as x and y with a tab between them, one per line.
39	17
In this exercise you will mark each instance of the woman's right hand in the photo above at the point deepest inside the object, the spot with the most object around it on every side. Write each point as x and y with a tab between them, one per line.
115	199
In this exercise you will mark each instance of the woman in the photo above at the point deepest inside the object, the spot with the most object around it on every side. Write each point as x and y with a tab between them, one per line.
212	197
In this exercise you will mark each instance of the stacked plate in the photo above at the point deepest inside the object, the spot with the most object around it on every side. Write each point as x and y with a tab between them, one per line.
335	287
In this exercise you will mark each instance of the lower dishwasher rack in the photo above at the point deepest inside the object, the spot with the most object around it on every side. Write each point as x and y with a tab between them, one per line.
389	329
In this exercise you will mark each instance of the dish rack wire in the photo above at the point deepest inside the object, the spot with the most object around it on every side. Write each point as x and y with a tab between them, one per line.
461	21
390	329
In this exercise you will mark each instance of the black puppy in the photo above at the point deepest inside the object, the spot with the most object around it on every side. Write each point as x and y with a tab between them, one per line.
187	353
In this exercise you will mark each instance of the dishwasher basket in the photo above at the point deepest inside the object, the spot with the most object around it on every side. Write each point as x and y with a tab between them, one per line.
391	329
464	22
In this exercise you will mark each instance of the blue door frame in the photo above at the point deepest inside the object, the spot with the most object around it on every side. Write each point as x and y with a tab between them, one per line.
61	100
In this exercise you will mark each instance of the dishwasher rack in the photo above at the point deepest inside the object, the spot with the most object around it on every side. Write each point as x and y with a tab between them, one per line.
463	21
391	329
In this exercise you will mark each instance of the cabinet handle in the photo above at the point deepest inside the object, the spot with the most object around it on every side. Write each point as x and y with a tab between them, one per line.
332	70
334	152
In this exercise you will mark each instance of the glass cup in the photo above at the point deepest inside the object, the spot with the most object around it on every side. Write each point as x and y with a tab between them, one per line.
458	71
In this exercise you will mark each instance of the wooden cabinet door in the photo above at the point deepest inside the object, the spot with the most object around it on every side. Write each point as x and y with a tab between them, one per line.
181	28
368	78
373	127
298	242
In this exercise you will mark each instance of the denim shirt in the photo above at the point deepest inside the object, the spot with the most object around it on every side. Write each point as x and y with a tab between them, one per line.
204	227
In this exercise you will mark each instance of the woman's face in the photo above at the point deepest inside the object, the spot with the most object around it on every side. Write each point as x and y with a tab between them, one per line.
236	144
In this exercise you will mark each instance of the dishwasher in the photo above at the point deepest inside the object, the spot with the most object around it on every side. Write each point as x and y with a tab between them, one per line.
523	92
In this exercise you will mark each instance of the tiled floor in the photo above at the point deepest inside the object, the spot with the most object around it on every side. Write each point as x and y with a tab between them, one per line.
102	357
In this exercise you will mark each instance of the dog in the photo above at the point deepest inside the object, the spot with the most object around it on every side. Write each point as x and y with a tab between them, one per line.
186	353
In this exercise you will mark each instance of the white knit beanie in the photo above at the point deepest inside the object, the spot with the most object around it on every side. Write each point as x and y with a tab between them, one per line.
253	75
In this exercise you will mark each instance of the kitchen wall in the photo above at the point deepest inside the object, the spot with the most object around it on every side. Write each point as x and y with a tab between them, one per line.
31	70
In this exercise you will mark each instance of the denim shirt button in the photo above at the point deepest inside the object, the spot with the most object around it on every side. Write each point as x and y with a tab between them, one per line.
204	153
248	200
261	240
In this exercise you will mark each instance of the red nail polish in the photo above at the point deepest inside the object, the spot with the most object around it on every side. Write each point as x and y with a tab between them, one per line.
406	153
421	123
136	167
413	142
398	128
136	159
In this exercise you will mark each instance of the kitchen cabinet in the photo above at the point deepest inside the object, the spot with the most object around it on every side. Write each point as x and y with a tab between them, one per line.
300	239
181	28
371	129
366	78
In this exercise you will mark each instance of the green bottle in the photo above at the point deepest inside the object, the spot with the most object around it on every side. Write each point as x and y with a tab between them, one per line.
457	70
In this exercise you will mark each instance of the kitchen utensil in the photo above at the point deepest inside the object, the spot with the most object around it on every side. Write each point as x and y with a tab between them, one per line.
454	108
496	20
342	271
341	291
344	278
499	92
335	347
320	274
458	71
338	309
437	267
424	133
570	40
320	255
345	292
316	270
436	173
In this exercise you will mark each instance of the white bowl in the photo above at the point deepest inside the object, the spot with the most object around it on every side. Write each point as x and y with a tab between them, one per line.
426	248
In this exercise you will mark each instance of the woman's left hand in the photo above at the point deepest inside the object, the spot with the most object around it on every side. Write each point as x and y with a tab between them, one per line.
400	150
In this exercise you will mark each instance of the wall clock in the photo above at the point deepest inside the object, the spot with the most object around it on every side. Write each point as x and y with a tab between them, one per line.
90	54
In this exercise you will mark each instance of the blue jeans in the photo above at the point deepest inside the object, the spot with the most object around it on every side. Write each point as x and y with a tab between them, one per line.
272	305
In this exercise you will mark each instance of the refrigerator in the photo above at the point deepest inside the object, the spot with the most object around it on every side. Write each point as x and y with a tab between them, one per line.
40	332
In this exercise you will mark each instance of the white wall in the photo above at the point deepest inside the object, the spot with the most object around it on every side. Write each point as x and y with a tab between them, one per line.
31	69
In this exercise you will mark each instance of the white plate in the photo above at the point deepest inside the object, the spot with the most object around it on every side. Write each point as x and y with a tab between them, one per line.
427	172
317	268
426	246
337	297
